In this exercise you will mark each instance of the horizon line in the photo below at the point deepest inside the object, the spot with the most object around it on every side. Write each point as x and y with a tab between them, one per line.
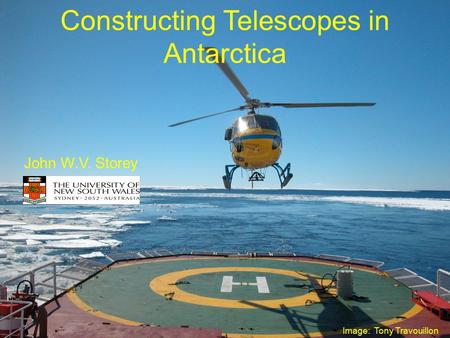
204	187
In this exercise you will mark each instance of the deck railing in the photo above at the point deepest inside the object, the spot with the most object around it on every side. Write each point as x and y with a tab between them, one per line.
32	278
443	284
13	324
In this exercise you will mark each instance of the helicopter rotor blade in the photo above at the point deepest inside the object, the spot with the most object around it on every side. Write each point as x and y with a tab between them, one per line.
206	116
318	105
232	77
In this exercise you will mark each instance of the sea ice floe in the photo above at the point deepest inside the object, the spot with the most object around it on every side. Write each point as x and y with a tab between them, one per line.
81	244
183	205
59	227
5	222
431	204
3	254
126	222
94	254
97	217
32	242
111	242
41	237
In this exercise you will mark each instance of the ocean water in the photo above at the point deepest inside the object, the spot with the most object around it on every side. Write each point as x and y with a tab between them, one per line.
403	229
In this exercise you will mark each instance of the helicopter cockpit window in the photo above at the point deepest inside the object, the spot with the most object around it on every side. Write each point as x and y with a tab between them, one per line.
255	121
243	123
267	122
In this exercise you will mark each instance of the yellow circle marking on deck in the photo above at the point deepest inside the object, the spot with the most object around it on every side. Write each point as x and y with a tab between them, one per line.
73	297
416	309
165	285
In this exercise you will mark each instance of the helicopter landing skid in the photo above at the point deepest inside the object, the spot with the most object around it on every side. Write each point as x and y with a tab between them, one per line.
229	175
283	174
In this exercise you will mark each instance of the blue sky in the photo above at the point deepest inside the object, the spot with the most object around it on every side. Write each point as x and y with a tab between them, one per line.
109	94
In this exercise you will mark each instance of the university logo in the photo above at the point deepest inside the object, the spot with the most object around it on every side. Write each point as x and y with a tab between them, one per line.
34	189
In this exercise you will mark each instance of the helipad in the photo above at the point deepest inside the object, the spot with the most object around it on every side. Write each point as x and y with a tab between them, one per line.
243	297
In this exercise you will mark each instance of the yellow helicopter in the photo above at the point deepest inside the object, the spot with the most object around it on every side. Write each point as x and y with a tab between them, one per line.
255	139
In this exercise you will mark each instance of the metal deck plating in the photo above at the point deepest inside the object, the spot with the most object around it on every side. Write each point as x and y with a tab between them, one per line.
236	296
